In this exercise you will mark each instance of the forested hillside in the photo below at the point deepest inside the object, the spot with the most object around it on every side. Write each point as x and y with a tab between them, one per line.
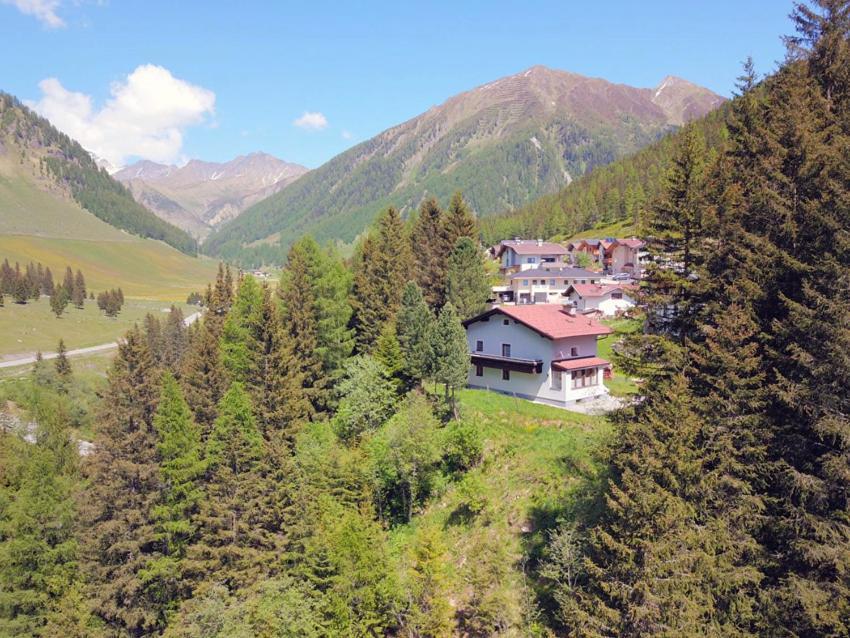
31	140
617	192
502	144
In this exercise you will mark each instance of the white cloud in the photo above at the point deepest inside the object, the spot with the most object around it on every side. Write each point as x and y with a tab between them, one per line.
346	135
144	117
312	121
43	10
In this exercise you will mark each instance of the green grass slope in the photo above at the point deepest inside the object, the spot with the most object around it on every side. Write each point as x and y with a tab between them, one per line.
537	464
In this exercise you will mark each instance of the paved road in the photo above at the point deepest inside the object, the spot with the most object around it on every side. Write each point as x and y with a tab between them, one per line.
29	360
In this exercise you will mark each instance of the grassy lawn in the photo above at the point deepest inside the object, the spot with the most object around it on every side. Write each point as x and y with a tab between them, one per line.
24	329
619	384
536	460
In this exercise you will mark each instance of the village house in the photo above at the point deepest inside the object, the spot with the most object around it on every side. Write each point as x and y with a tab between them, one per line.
612	256
606	299
543	352
543	285
522	254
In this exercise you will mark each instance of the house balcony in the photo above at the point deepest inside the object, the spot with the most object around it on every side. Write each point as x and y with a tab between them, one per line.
515	364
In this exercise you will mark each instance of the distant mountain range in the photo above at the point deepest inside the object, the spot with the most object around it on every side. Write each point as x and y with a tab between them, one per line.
503	144
201	195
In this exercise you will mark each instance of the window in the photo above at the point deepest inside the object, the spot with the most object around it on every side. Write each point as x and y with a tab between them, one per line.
616	295
525	282
479	370
557	382
506	375
506	350
506	322
531	260
584	281
533	282
584	378
573	351
479	346
551	282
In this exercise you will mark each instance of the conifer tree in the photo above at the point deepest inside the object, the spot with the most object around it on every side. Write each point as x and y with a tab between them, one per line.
468	286
78	292
181	470
414	326
203	377
300	319
388	354
458	222
429	252
47	285
120	537
450	352
218	299
59	300
68	281
382	267
239	331
232	546
63	366
175	340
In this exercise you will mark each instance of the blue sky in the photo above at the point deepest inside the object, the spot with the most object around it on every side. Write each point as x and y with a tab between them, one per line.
177	80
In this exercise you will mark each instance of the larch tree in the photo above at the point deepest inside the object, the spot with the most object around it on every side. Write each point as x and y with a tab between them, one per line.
203	377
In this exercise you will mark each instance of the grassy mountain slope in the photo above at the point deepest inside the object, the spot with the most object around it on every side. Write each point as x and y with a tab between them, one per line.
34	143
607	201
503	144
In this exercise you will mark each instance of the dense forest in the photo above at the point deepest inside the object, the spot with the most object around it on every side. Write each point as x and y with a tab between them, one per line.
91	187
246	472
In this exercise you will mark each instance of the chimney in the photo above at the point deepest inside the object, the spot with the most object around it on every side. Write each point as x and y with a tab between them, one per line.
539	242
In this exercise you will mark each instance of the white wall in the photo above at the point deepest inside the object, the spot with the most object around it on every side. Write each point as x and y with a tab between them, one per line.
527	344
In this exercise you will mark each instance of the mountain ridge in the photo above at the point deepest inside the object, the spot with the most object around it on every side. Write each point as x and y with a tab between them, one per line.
503	143
201	195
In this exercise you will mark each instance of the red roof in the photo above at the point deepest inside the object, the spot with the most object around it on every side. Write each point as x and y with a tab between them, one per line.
552	321
596	290
580	364
531	247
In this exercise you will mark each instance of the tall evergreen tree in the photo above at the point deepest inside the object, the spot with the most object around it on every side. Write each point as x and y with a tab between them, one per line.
429	252
458	222
203	377
218	299
181	470
414	325
78	292
468	284
120	537
382	267
232	545
63	366
450	352
300	319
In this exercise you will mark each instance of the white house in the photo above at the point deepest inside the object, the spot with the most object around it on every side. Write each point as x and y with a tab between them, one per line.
613	256
544	285
521	254
543	352
608	299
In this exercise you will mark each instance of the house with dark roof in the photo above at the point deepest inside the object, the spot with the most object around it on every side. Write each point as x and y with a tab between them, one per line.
523	254
542	352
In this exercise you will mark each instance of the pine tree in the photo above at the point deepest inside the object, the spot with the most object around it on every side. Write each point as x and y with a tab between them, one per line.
218	299
239	331
468	284
63	366
388	354
180	471
429	252
203	377
68	281
231	545
47	285
450	352
120	537
414	325
175	340
458	222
